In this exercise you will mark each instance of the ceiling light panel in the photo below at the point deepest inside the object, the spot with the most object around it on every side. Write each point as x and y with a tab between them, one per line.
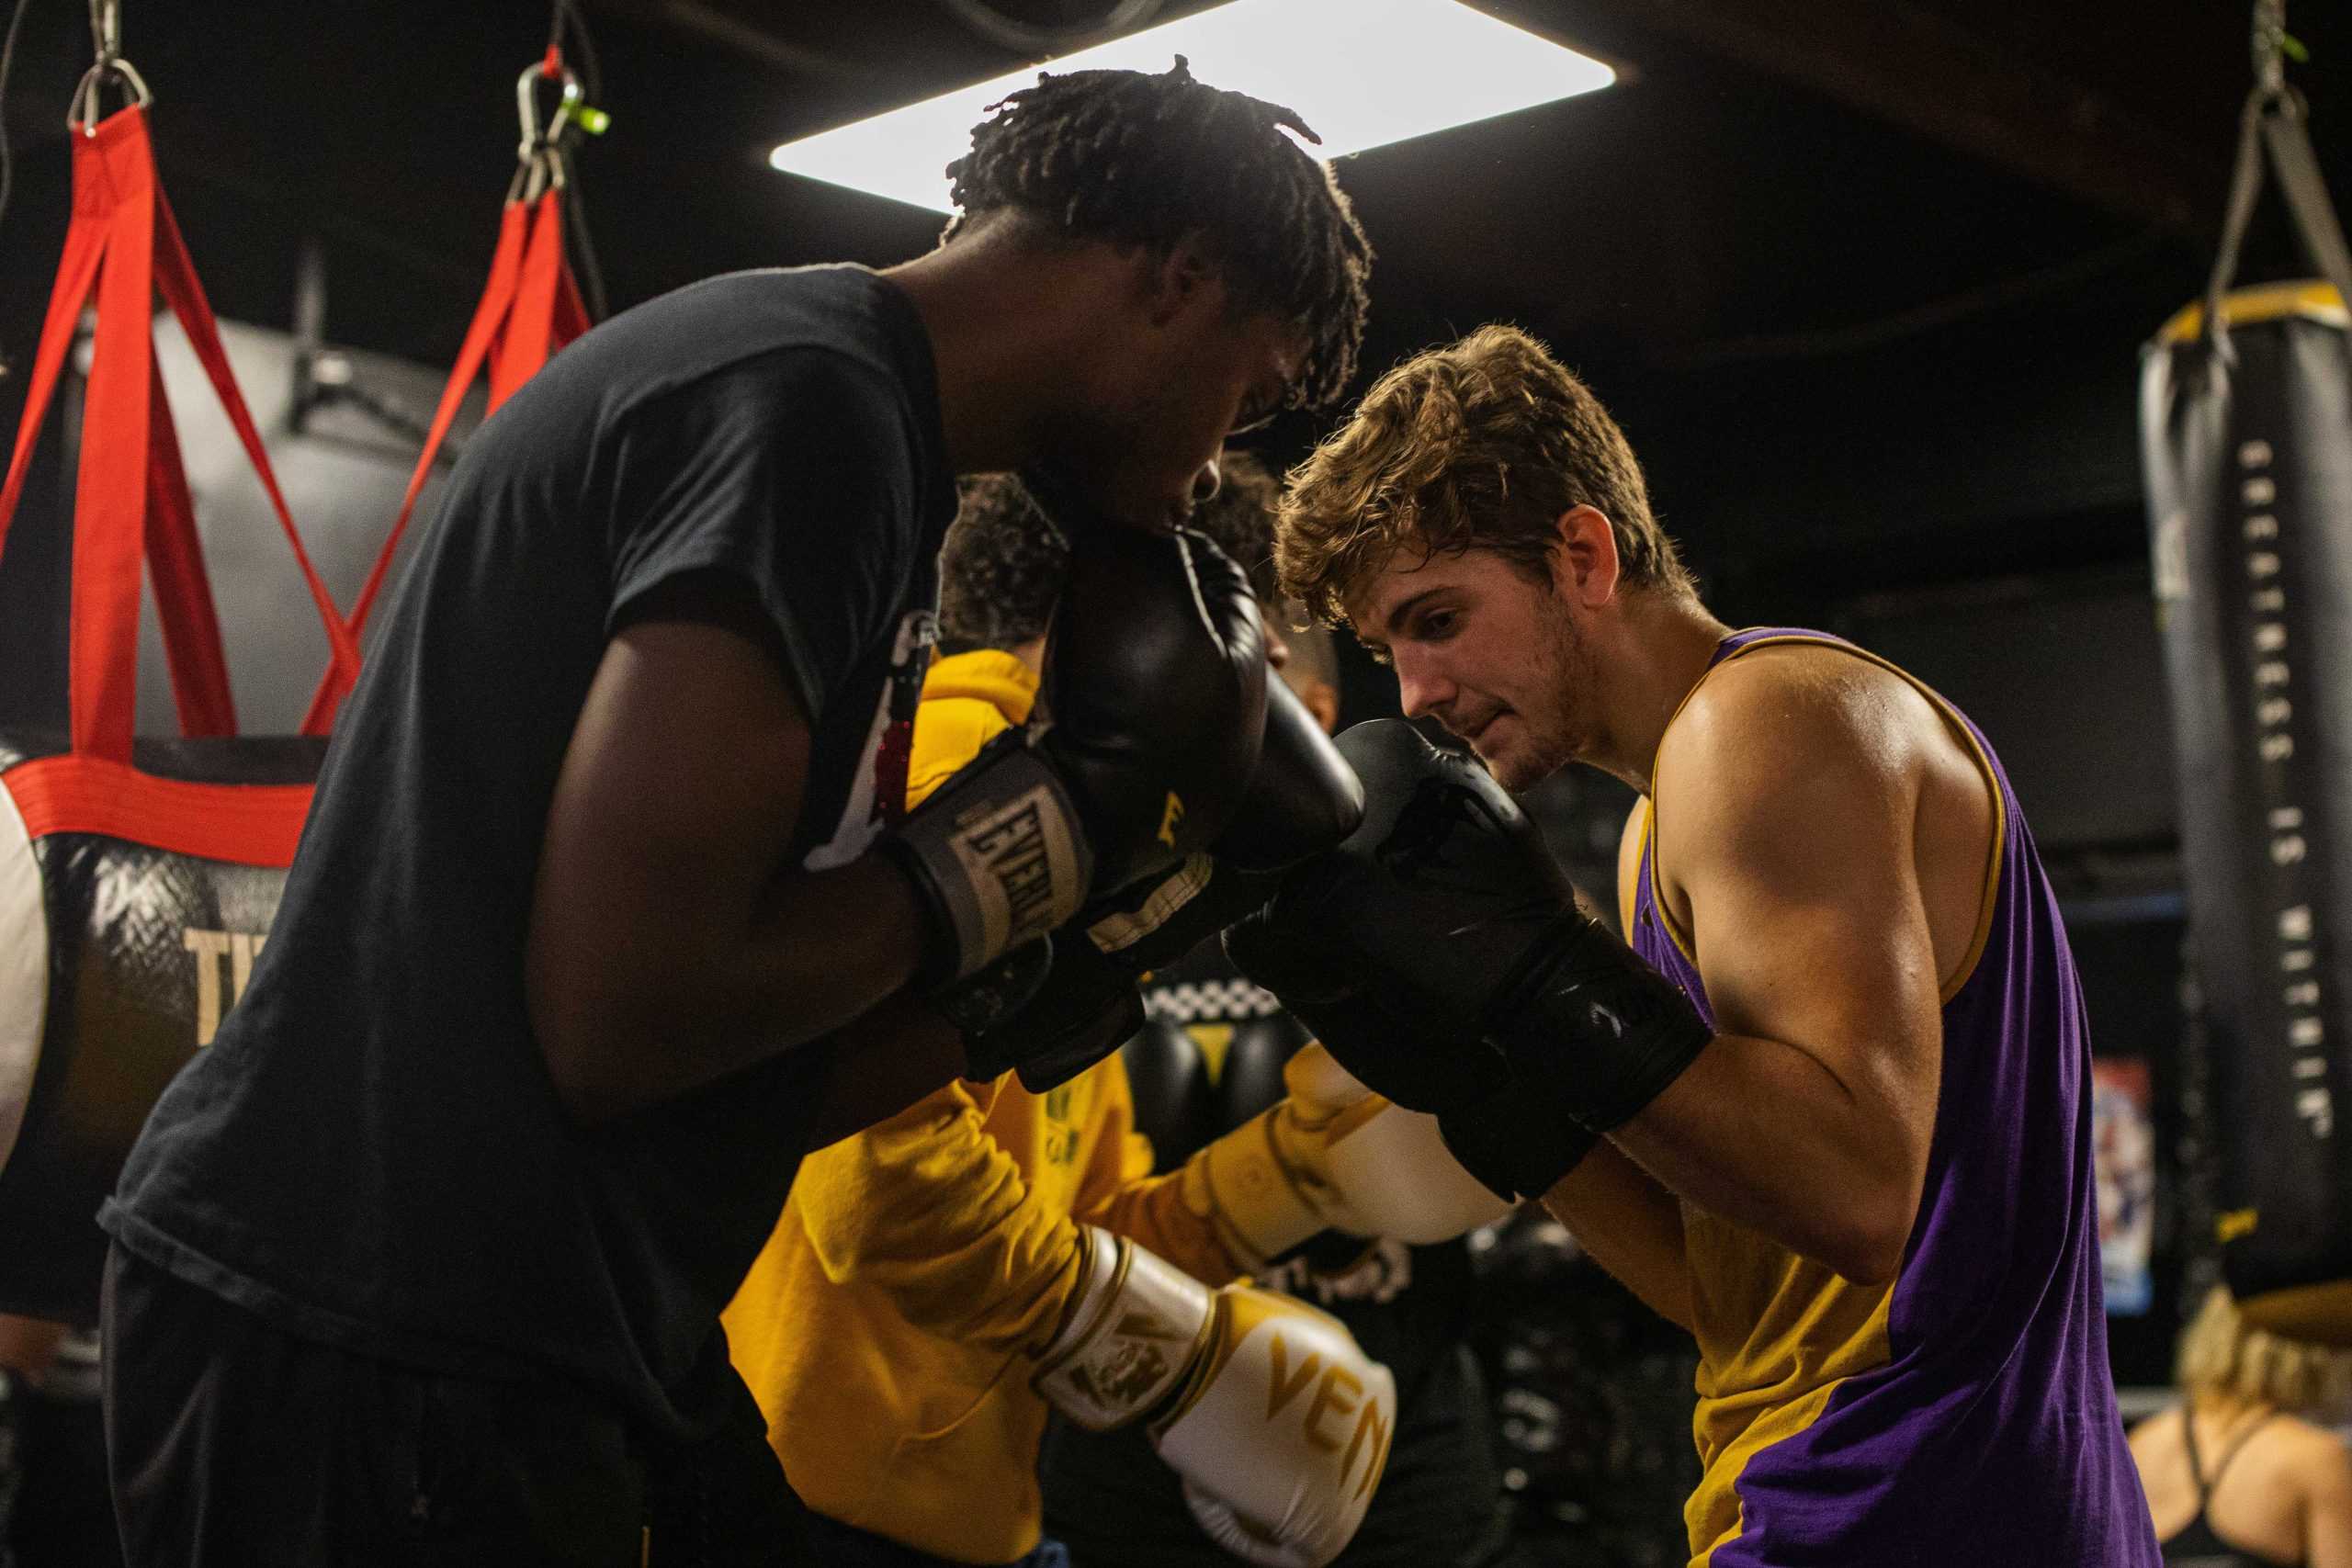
1362	73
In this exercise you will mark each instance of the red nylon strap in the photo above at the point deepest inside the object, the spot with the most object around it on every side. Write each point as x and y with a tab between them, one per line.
489	317
537	326
85	244
183	596
110	500
530	308
132	492
245	824
176	272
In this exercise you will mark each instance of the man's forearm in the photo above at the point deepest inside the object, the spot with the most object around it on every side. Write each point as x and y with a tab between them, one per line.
883	1063
1762	1134
1630	1226
697	1002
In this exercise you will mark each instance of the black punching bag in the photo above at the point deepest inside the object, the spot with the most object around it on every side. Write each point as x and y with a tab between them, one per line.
2246	437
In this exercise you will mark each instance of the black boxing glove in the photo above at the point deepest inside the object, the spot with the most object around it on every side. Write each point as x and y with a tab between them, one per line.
1084	1008
1511	1138
1154	693
1303	799
1446	914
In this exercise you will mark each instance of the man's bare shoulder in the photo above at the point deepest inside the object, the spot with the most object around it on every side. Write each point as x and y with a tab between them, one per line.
1803	707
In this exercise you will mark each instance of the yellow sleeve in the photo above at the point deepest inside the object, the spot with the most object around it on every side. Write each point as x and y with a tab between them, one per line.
949	732
927	1208
1121	1195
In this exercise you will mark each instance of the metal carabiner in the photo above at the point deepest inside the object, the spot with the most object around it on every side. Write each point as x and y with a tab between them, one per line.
2270	45
106	29
105	40
527	106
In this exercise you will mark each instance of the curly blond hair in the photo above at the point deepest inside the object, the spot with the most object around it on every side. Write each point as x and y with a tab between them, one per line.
1479	445
2221	1354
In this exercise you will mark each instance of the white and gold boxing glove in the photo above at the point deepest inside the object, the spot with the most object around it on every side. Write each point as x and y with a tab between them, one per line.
1333	1155
1275	1416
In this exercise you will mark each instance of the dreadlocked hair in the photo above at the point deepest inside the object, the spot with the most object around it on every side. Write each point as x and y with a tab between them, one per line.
1152	160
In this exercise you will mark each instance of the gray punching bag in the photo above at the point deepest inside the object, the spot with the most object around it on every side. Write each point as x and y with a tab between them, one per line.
2246	436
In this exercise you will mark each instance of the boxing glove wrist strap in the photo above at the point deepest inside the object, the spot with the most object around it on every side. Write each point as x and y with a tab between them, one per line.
1519	1146
1134	1326
1593	1025
998	855
1260	1200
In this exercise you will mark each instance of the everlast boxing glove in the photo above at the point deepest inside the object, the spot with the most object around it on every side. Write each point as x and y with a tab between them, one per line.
1154	693
1303	799
1331	1154
1275	1416
1445	919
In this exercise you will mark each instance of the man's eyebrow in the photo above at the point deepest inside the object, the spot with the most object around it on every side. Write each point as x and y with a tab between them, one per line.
1405	606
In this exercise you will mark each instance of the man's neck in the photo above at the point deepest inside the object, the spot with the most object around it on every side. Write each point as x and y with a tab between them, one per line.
1007	325
1658	650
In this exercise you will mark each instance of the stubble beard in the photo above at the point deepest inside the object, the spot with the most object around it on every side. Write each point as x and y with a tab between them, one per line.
1564	677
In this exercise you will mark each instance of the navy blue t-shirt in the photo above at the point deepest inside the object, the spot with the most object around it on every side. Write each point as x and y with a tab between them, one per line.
372	1152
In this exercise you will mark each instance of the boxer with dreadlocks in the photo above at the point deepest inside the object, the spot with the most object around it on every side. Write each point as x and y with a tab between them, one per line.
609	904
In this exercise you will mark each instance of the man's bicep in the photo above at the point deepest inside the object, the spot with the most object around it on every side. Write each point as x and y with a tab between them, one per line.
1805	903
673	811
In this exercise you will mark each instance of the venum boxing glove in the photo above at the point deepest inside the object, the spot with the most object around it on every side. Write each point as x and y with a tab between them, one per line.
1445	918
1276	1419
1154	696
1333	1155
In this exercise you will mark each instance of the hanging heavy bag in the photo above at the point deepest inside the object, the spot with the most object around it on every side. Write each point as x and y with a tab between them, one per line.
138	879
2246	438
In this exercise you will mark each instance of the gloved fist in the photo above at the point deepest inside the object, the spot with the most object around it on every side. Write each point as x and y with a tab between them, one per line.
1334	1155
1441	954
1275	1416
1303	799
1154	691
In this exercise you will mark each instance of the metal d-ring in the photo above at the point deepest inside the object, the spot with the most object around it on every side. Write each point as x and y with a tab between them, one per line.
81	109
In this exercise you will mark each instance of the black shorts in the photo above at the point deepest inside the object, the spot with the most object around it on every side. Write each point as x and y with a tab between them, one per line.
233	1444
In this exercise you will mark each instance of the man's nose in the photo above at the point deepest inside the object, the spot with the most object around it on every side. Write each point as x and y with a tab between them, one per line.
1420	690
1207	481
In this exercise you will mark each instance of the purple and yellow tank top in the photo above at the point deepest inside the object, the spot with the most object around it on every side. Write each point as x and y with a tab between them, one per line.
1962	1415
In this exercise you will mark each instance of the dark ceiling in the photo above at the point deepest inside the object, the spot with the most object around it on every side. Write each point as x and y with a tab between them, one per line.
1864	278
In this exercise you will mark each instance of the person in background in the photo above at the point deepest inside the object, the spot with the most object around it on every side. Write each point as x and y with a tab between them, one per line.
2237	1474
1313	669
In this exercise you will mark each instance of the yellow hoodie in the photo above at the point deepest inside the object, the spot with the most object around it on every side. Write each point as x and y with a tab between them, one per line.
886	1329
